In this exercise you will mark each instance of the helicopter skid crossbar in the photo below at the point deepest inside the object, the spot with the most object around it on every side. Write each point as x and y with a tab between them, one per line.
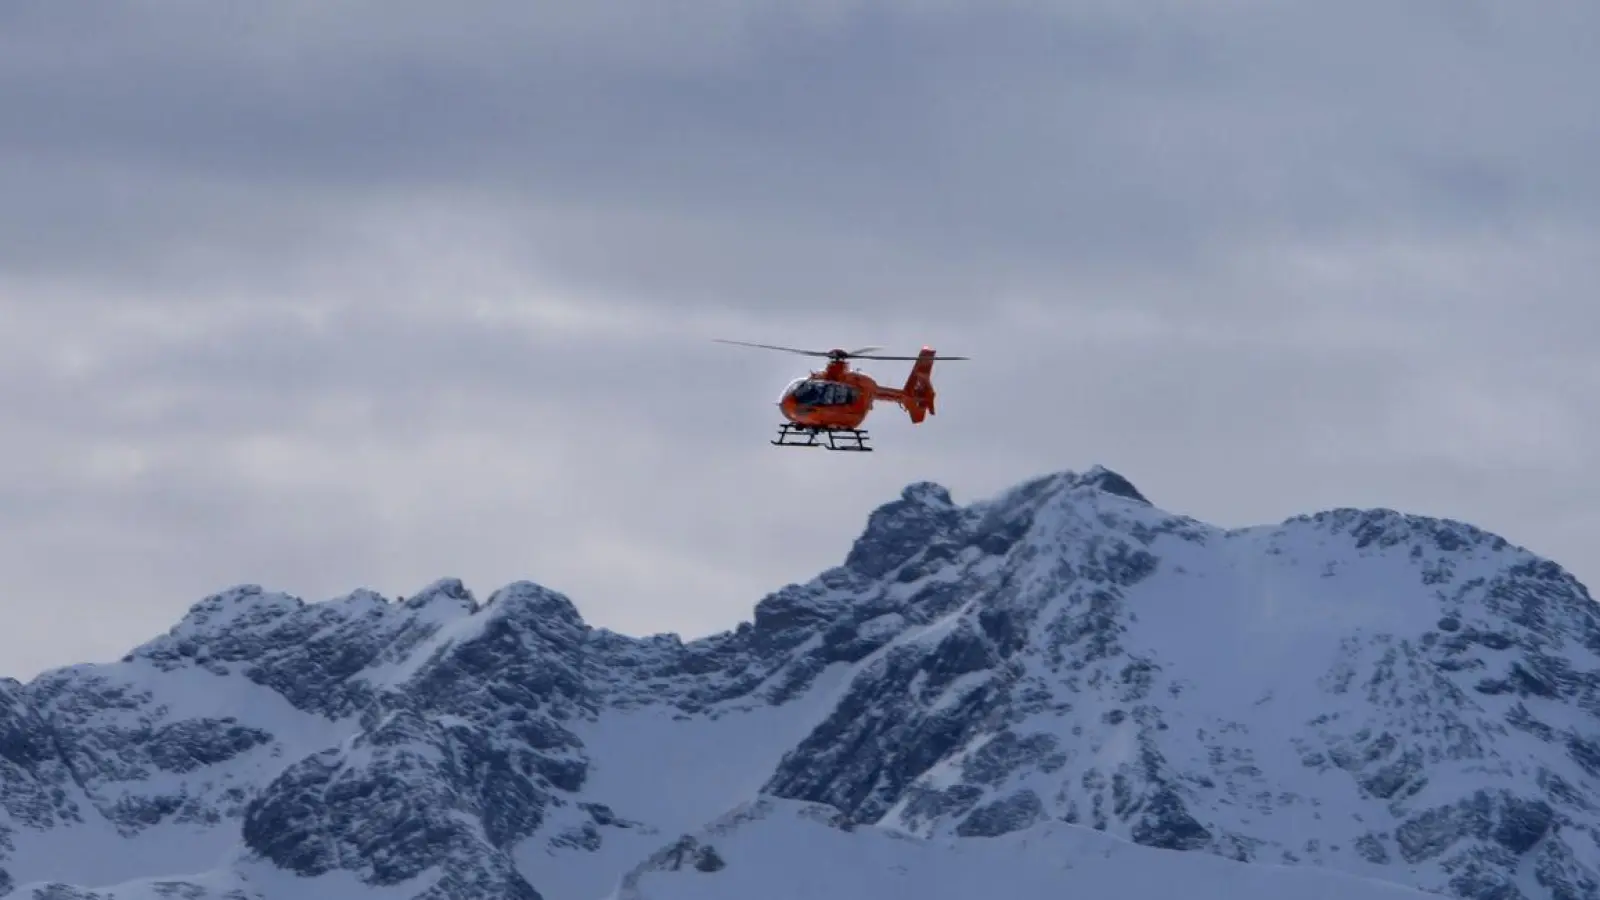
851	439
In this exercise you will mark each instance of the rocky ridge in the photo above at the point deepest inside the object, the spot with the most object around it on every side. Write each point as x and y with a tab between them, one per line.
1392	696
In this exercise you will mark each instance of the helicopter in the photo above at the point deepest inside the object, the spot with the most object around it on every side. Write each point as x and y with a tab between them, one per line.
833	402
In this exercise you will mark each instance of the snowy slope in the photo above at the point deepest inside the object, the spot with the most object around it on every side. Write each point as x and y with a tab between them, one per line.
784	850
1361	693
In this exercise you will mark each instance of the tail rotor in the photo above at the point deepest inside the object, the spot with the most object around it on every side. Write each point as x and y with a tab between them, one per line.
918	388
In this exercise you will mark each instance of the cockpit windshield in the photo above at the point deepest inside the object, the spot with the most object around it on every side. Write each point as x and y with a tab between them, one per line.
813	392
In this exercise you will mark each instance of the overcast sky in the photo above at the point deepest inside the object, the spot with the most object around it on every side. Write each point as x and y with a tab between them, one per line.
329	296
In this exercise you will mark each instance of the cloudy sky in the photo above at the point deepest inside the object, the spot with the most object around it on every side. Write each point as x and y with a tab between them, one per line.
327	296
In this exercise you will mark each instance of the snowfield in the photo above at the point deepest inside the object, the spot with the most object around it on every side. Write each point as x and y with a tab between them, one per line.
785	850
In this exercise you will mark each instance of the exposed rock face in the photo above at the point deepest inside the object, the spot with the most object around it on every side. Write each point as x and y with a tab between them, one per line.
1393	696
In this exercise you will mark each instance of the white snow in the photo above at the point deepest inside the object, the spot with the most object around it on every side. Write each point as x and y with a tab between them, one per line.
672	773
95	855
244	877
453	625
783	851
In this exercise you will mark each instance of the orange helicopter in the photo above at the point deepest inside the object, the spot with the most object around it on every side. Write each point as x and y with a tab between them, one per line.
834	401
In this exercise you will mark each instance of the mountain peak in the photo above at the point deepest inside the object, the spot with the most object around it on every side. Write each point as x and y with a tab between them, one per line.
1112	483
927	493
1096	478
903	528
549	611
445	592
244	605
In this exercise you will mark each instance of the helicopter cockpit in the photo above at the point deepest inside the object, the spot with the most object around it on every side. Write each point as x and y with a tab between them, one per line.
816	392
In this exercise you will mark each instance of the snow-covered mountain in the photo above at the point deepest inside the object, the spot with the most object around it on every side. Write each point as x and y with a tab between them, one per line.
1063	686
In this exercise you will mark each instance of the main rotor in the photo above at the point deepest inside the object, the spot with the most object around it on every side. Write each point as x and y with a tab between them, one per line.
837	355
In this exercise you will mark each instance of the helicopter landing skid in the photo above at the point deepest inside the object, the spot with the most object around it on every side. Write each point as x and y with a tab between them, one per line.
850	439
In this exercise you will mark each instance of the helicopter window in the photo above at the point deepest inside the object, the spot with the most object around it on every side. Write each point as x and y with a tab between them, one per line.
823	393
807	393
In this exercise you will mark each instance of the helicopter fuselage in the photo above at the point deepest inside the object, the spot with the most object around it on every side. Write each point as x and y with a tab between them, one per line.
836	397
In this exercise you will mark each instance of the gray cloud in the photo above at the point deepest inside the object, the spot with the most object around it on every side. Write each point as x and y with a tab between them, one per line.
332	296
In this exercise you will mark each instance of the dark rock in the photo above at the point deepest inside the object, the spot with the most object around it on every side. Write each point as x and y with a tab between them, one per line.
1165	823
898	531
706	859
1013	813
192	743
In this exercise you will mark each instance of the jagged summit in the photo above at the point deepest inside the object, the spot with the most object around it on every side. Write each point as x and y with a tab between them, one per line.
448	593
894	531
924	514
1101	478
1390	696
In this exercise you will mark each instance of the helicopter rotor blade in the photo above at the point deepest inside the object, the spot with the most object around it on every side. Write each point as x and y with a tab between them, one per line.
823	353
861	353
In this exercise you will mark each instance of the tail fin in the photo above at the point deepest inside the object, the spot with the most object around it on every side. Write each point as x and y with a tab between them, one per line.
919	387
